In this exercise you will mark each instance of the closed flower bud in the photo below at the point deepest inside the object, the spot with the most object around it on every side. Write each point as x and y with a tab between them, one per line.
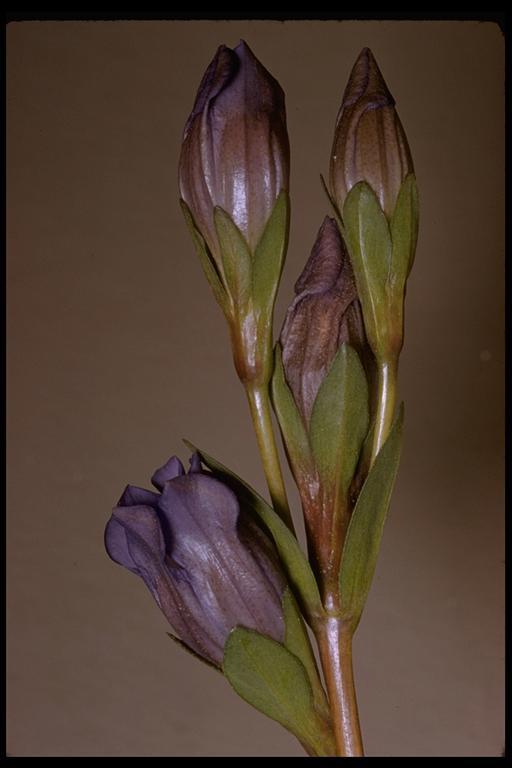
207	565
369	141
235	151
324	314
320	394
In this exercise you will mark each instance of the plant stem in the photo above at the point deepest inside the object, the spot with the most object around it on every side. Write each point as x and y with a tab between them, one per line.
259	405
334	639
386	396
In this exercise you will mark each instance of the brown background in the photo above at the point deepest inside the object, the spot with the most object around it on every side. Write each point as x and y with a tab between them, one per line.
116	350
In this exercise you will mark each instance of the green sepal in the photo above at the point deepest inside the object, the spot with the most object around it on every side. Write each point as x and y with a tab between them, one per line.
339	421
364	534
236	257
274	681
404	232
297	641
208	264
269	257
368	239
292	427
292	557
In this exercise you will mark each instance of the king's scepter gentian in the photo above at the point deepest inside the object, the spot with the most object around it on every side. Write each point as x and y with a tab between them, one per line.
223	565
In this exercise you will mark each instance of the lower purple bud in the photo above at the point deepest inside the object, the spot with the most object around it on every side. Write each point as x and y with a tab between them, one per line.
208	566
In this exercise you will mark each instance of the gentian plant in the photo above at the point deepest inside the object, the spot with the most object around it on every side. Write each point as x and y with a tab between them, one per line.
222	563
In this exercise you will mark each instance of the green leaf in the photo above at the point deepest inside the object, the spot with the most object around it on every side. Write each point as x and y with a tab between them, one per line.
297	641
404	230
292	427
269	256
339	420
368	232
368	239
236	257
207	262
364	534
292	557
268	676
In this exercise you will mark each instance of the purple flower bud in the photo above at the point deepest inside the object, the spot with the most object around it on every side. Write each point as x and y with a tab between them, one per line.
324	314
235	151
205	562
369	141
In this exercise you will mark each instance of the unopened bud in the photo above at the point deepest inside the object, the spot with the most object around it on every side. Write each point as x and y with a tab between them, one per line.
369	141
235	152
324	314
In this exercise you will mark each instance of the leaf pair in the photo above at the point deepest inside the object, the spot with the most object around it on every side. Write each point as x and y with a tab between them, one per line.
324	454
243	279
364	533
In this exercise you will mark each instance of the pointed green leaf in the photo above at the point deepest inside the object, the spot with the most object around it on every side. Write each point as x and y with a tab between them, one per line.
368	240
269	256
404	230
236	257
268	676
210	269
292	557
294	433
364	533
368	234
297	641
339	420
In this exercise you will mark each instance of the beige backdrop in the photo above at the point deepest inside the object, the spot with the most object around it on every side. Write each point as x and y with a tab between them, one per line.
117	350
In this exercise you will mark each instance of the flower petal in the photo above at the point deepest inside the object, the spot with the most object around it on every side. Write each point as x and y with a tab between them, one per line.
144	537
195	463
226	582
172	468
219	72
197	508
135	496
117	546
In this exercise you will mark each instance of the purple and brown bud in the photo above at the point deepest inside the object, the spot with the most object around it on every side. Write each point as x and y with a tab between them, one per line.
207	565
369	141
320	394
235	151
324	314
